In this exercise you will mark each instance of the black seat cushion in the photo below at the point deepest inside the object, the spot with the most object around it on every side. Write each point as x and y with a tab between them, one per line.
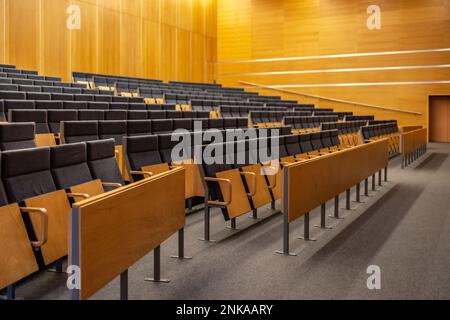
112	129
15	136
139	127
69	166
142	151
102	161
79	131
26	173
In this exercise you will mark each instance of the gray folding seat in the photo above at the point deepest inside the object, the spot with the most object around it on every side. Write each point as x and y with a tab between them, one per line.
49	105
141	151
12	95
215	124
24	88
102	98
120	99
139	127
98	105
116	130
186	124
15	136
26	173
46	89
118	106
174	114
68	165
137	106
39	117
137	115
156	114
61	96
116	115
102	162
54	117
79	131
38	96
73	91
83	97
18	105
92	115
75	105
162	126
24	82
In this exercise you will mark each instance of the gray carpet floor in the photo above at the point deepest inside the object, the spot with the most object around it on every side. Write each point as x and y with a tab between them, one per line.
403	227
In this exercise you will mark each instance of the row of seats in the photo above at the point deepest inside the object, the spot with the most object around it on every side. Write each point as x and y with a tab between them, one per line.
382	131
7	105
18	95
291	148
240	111
47	83
49	121
264	119
357	118
305	124
340	115
46	177
348	131
210	105
75	131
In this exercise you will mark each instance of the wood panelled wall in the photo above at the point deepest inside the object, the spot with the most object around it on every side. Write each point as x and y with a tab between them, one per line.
254	37
163	39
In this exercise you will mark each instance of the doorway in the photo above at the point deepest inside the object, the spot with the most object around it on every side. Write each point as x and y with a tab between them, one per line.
439	119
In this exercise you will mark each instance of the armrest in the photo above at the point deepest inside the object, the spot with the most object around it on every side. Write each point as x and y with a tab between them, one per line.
112	184
230	186
78	195
44	224
144	173
253	175
285	163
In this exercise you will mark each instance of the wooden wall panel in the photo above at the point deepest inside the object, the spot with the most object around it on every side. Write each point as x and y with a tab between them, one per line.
307	30
131	63
55	41
109	37
85	40
22	38
2	31
142	38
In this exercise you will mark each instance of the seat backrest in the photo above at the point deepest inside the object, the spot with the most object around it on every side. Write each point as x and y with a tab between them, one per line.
325	136
137	115
92	115
305	142
186	124
26	173
49	105
118	106
79	131
116	115
141	151
139	127
162	126
39	117
316	141
18	104
54	118
68	164
157	114
292	145
115	129
15	136
98	105
102	161
137	106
